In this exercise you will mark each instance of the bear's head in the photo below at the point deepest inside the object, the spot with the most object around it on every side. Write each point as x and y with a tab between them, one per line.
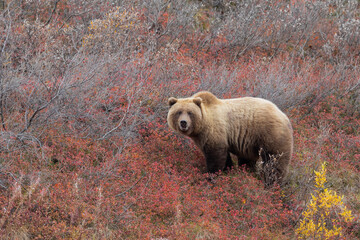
185	115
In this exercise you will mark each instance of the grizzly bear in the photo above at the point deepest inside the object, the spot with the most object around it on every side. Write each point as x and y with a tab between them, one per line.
253	129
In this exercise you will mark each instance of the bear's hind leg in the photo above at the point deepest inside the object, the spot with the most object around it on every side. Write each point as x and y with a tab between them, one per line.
250	164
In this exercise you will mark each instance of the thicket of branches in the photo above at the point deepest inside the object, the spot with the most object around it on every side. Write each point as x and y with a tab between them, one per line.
101	72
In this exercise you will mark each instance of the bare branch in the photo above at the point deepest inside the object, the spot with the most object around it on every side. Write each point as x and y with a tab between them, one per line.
52	13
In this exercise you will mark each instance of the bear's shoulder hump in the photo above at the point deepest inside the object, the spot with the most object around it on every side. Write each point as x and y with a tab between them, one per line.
207	98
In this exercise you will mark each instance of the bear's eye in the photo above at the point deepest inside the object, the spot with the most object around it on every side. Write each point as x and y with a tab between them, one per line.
179	113
189	113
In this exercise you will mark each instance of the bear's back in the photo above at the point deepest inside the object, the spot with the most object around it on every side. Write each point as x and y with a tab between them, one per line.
256	107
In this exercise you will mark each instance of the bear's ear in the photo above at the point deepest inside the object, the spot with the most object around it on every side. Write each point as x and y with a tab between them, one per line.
198	101
172	101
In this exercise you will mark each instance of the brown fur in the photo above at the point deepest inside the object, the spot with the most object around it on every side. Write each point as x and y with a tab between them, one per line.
244	127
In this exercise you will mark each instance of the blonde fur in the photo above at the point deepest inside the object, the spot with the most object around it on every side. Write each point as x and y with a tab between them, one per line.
241	126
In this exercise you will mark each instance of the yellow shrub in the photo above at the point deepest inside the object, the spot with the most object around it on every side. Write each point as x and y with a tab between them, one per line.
326	211
118	29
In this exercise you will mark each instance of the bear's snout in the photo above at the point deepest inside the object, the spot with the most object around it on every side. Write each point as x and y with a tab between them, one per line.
183	125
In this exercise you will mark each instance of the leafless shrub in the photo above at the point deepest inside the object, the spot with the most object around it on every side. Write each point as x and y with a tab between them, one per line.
52	78
219	80
71	66
291	85
270	25
287	85
348	37
279	84
179	16
108	103
267	168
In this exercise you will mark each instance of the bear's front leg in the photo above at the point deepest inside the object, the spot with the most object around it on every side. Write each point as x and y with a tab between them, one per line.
217	158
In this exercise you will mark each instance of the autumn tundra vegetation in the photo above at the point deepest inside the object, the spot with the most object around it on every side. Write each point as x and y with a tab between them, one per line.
85	149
